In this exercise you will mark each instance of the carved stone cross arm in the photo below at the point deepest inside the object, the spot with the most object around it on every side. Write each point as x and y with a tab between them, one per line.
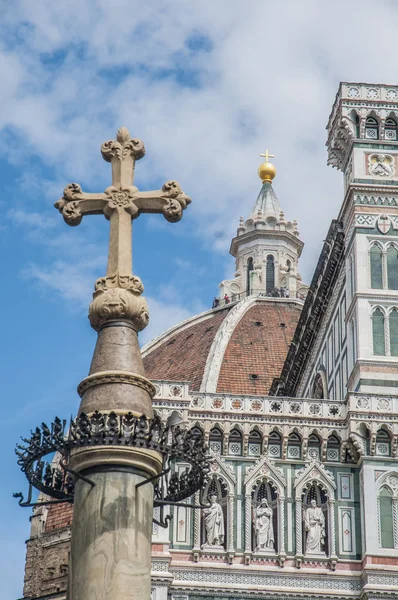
121	203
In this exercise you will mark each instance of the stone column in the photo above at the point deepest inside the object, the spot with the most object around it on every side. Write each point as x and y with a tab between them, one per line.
230	542
111	537
248	524
281	520
395	521
112	520
299	527
332	529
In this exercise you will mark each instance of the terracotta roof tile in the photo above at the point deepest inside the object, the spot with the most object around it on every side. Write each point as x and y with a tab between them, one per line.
257	349
182	357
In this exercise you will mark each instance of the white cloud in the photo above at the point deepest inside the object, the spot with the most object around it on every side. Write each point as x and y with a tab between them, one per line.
262	75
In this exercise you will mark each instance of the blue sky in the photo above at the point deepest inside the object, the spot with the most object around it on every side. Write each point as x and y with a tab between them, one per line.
207	86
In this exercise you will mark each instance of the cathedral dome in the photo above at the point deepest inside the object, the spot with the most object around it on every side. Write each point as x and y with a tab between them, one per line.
236	349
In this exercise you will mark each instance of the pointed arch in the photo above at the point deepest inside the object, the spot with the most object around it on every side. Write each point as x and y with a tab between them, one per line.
390	127
270	274
216	440
315	482
235	442
372	126
392	267
376	266
393	326
378	332
264	479
383	441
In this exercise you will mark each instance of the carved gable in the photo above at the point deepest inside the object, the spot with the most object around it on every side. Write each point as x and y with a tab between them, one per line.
265	468
218	466
314	473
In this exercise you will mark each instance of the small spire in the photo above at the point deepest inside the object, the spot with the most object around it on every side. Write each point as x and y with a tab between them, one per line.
267	170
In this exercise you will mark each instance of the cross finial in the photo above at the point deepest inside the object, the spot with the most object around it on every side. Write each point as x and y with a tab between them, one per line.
121	202
267	155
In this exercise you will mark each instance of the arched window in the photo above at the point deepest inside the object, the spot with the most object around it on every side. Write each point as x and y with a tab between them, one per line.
371	129
390	131
270	274
383	444
254	443
392	268
379	342
235	443
215	440
314	446
318	390
333	449
294	446
376	272
265	537
250	268
288	266
357	126
274	445
197	433
393	321
386	524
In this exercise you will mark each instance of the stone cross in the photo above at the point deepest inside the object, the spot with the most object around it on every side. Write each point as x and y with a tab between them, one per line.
267	155
121	202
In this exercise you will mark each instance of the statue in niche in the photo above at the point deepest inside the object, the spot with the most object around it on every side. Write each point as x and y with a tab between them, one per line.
264	527
214	523
314	522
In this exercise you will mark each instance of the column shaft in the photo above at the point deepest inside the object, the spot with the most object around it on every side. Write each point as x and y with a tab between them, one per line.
111	537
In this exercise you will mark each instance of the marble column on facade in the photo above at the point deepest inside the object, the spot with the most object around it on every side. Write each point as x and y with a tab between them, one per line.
281	527
230	529
395	520
248	527
299	531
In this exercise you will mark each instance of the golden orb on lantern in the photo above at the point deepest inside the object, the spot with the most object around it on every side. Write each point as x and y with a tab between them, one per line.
267	170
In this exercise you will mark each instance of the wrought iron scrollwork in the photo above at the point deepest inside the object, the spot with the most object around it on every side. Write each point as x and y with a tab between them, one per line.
177	445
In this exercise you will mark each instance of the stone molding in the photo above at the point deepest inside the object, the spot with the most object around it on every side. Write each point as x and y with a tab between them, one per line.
105	377
220	343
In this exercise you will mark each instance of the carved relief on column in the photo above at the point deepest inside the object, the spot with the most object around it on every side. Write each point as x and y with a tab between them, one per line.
384	268
372	444
332	532
284	446
378	522
281	516
395	520
196	529
324	448
387	335
230	547
245	444
299	532
248	528
305	448
394	446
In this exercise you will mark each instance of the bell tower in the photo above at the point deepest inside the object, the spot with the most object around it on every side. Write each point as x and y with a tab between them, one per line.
266	248
363	144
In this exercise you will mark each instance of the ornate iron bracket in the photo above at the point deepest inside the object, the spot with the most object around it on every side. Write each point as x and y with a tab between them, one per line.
54	478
